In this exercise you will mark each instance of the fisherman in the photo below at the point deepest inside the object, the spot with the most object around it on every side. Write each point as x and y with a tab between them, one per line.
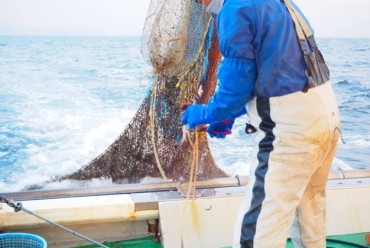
291	104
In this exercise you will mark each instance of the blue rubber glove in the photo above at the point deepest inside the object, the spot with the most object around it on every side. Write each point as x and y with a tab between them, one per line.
220	129
195	115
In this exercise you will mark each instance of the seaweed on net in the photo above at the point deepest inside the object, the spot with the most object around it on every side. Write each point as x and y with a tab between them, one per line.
180	43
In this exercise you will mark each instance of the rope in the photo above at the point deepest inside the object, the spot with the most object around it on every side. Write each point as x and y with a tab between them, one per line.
194	167
192	180
152	128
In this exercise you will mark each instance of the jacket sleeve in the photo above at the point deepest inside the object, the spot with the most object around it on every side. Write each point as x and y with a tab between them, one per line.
237	70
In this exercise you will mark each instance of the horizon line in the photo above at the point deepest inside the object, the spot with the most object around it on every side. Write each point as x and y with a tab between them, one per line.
139	35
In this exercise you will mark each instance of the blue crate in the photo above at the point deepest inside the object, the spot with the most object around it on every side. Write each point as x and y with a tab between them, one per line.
21	240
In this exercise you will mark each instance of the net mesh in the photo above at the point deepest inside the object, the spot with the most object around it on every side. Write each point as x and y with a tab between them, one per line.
180	42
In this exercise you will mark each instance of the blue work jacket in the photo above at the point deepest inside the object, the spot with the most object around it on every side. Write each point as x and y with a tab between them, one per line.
261	55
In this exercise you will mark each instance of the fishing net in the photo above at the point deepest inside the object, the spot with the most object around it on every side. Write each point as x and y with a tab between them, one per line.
180	43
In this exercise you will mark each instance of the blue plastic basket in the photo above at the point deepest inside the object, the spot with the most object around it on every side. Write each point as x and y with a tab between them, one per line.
21	240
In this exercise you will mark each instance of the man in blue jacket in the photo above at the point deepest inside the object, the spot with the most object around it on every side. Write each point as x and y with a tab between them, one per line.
297	123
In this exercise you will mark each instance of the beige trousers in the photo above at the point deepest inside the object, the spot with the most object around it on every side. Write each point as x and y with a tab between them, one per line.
296	140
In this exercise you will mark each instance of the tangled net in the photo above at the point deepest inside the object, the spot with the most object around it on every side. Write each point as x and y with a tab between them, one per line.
180	42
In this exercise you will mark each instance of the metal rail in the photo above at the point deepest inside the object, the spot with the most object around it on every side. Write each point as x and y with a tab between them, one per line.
124	189
157	187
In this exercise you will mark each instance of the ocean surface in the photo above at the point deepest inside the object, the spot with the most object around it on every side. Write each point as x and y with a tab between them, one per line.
64	100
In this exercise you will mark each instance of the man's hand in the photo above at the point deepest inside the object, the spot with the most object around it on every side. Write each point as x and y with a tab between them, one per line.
195	115
220	129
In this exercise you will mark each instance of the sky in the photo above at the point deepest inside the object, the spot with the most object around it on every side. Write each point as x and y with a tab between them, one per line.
329	18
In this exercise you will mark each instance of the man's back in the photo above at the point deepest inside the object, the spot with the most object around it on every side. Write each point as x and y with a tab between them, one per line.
262	31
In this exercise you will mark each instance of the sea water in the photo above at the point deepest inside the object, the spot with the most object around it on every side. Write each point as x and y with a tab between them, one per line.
64	100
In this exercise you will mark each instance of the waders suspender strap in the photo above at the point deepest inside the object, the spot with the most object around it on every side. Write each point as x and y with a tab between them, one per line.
317	71
301	26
